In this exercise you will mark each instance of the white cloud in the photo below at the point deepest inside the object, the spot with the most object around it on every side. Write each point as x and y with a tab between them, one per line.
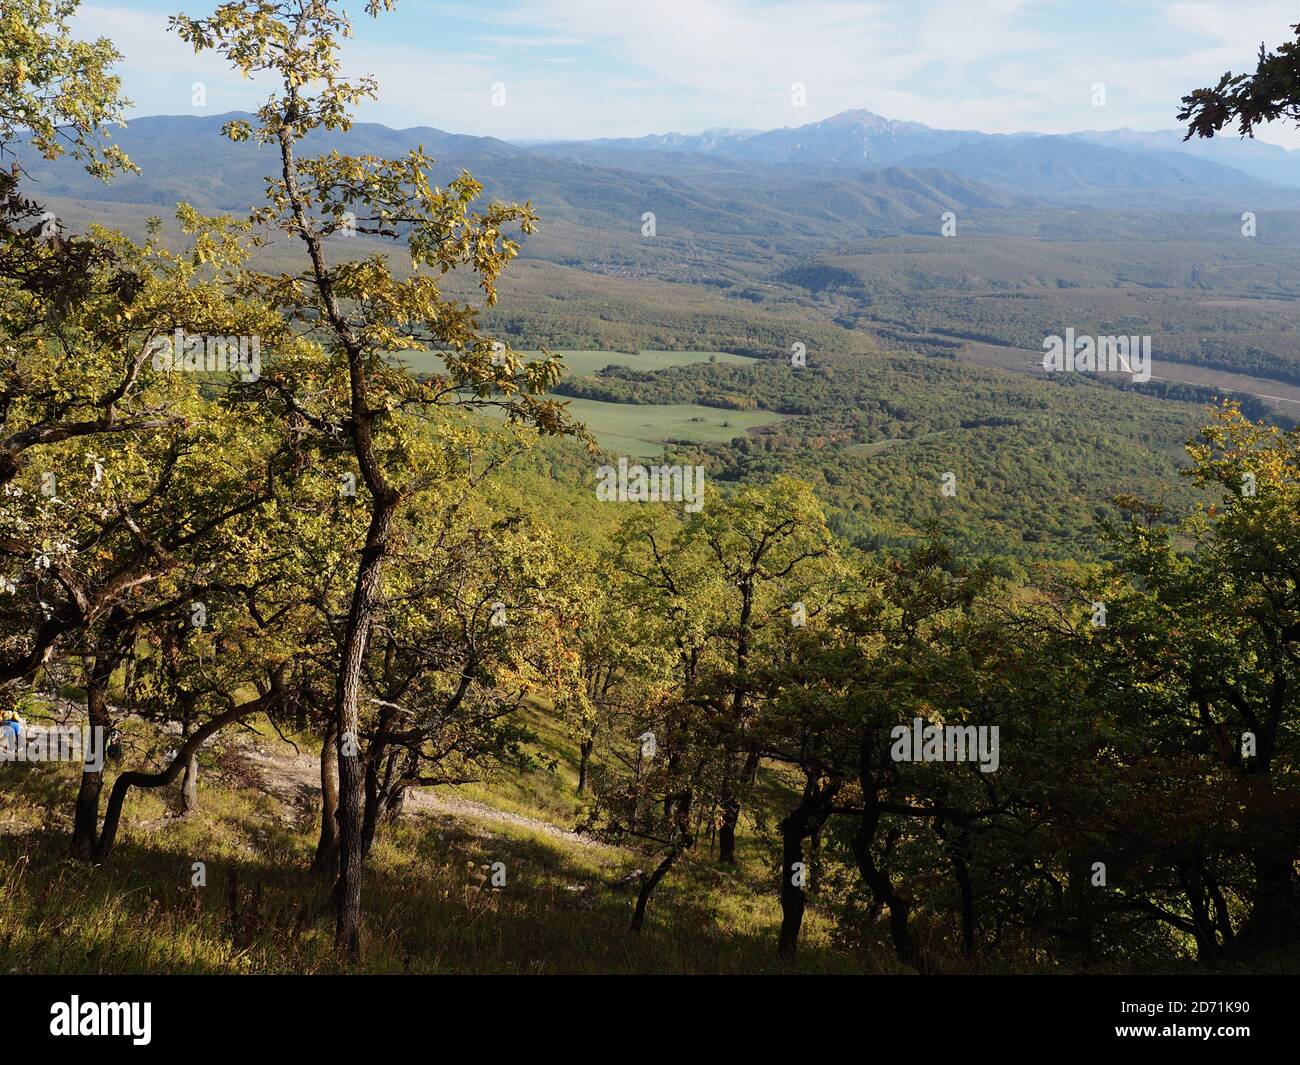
160	69
584	68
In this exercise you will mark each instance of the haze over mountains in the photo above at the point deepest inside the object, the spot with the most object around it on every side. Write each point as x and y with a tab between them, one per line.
852	169
1027	162
186	158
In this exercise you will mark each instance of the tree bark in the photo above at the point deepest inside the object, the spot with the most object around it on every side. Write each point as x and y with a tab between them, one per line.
190	781
727	831
85	823
802	822
793	900
352	772
731	811
326	862
584	760
190	787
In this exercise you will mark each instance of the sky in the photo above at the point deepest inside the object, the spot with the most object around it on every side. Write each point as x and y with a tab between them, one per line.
565	69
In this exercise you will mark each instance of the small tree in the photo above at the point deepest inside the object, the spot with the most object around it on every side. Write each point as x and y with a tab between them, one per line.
346	389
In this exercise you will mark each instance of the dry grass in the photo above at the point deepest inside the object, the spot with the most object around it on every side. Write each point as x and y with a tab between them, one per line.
429	900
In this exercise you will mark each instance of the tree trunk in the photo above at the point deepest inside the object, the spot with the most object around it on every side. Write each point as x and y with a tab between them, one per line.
878	880
804	821
792	893
966	891
1204	932
731	811
347	895
648	886
683	842
727	832
326	862
85	824
396	786
372	804
190	787
134	778
956	843
1078	929
1222	918
585	752
190	781
734	785
1274	919
347	890
394	804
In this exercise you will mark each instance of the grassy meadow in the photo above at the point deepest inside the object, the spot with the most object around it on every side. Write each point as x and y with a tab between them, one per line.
636	429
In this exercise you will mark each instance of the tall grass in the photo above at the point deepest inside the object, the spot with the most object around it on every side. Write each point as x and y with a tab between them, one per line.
430	903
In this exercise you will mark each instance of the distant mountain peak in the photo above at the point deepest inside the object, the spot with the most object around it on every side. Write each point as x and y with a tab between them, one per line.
1112	164
728	131
862	118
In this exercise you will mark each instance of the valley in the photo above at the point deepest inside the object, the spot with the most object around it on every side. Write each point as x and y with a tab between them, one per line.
910	335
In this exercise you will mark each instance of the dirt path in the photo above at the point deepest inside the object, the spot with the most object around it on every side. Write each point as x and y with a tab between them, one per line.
295	779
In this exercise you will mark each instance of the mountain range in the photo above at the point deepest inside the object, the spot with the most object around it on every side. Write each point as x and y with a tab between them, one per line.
855	170
860	138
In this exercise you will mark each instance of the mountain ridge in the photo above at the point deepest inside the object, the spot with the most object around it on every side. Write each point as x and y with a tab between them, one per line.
847	177
861	137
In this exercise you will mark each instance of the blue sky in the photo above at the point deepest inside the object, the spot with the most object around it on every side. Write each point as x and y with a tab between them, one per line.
590	68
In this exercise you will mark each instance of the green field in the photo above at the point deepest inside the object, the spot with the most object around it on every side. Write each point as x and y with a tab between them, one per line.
591	362
641	429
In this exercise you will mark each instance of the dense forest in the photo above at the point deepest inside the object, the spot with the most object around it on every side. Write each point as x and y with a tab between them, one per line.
864	709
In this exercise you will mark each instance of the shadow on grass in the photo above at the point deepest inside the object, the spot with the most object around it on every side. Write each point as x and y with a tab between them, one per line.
430	907
250	906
